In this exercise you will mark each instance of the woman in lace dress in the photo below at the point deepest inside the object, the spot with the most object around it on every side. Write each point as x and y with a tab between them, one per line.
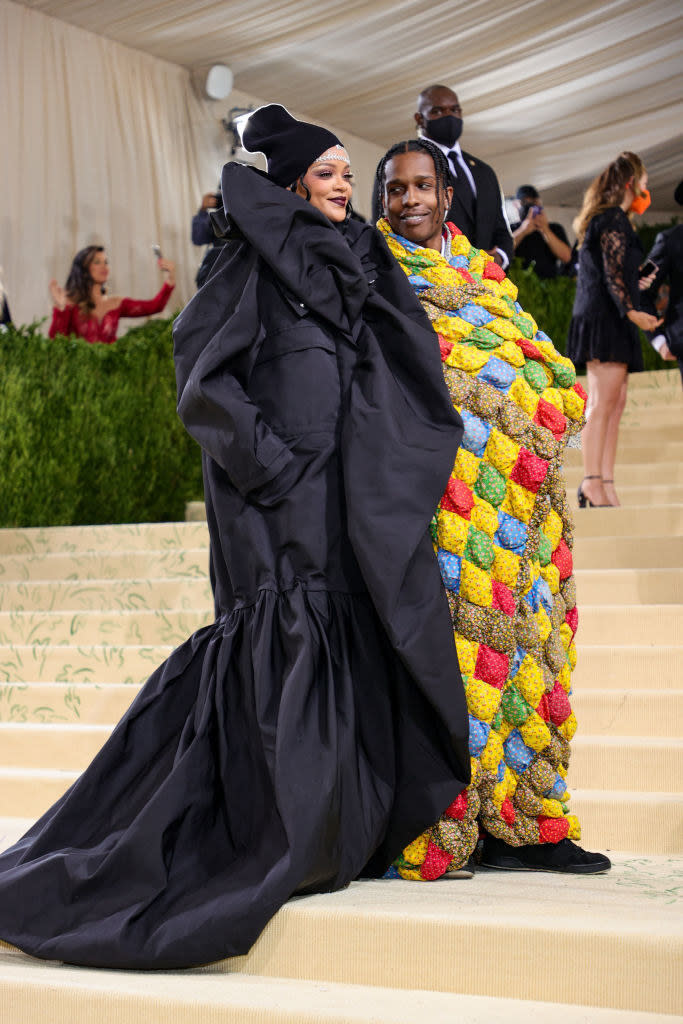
603	335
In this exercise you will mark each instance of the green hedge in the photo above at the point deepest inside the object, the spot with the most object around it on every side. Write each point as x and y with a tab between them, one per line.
550	303
89	433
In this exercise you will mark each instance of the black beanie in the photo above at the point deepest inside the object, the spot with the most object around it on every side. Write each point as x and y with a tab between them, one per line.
290	146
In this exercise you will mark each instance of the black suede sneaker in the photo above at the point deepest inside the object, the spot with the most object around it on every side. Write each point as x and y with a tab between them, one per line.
565	857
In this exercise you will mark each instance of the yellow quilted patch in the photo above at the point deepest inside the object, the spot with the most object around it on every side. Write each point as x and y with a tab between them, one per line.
495	305
572	404
524	396
416	851
554	397
492	754
410	874
552	528
508	288
503	328
475	584
568	727
484	517
482	699
466	466
552	809
460	245
571	656
498	794
451	531
478	262
468	359
535	732
566	635
505	730
518	501
551	575
529	680
501	451
505	566
544	624
565	678
467	654
574	827
452	327
511	353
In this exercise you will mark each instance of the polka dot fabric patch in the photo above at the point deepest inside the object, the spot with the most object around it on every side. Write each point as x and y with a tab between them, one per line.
503	536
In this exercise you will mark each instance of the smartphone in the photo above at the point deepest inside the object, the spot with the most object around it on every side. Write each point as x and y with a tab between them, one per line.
648	267
156	249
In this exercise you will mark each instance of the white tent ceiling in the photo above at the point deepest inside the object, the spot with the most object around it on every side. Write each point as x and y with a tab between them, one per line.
551	90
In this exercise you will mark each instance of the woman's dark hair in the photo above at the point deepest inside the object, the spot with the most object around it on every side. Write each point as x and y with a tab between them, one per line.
441	169
79	281
609	188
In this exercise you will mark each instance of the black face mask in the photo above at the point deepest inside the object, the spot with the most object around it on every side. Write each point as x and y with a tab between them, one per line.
444	130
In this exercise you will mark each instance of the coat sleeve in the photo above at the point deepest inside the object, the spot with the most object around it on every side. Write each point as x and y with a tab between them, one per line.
659	254
501	238
216	339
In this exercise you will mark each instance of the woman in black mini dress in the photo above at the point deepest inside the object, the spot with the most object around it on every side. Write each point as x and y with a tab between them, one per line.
603	335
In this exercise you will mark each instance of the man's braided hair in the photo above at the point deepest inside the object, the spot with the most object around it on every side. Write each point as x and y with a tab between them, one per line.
441	169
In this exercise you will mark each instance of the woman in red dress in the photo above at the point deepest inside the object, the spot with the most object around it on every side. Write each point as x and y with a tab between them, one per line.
83	307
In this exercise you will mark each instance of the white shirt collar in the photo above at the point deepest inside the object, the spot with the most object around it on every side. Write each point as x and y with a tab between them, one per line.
455	148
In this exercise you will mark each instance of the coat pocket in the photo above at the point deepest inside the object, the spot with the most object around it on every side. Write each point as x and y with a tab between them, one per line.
295	380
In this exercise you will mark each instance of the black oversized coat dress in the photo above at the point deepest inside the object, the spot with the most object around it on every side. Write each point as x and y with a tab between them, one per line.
320	723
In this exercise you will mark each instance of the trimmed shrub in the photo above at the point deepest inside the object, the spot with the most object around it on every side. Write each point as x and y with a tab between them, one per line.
90	433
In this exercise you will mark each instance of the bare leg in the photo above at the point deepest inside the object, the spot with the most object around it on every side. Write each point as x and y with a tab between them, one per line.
605	383
609	451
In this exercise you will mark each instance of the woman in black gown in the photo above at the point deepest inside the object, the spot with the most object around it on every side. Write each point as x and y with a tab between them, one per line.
309	733
603	335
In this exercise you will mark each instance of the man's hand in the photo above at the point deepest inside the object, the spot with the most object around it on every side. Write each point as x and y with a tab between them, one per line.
209	201
666	353
496	255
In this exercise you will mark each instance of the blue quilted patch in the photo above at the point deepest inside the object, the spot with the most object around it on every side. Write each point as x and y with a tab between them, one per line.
479	734
511	534
520	655
517	755
391	872
476	433
449	564
475	315
545	595
497	373
557	791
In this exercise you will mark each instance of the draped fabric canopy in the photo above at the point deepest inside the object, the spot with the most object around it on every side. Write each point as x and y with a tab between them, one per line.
551	90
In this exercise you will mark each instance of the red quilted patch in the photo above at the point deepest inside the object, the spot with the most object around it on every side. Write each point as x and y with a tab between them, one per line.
453	228
493	272
543	708
579	390
435	863
529	470
458	809
491	666
548	416
445	347
562	558
572	619
465	275
529	349
552	830
507	812
558	704
503	598
458	498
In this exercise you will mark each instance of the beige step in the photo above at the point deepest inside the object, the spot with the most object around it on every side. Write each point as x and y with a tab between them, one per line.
36	993
650	764
640	425
648	824
629	712
94	703
637	521
101	565
627	552
654	470
629	454
629	586
631	624
104	595
101	663
653	380
114	627
28	793
627	667
108	538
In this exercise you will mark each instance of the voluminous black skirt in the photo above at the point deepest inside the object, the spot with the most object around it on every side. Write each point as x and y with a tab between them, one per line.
258	761
604	337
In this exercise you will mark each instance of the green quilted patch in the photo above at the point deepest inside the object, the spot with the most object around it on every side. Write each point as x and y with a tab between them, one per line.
514	707
545	548
535	375
479	548
490	484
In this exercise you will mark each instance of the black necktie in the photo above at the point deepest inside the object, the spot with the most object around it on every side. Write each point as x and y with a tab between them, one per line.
461	187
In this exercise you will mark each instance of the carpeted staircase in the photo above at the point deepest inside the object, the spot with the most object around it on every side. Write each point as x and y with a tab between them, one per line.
87	612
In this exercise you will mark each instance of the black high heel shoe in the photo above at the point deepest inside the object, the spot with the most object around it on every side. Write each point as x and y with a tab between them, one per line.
585	502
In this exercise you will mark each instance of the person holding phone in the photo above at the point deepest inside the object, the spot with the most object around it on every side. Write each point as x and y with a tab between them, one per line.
537	242
84	308
608	310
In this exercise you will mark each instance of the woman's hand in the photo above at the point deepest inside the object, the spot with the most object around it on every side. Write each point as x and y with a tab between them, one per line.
645	282
645	321
58	295
168	268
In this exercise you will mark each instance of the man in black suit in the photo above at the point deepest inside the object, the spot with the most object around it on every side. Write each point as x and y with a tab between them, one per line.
667	253
477	207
